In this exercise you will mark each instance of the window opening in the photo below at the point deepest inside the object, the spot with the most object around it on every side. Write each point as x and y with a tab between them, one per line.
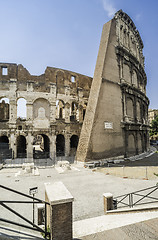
4	71
73	79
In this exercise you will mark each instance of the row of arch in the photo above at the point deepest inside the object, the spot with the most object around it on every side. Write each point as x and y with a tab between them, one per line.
41	146
130	42
131	77
75	110
136	110
136	144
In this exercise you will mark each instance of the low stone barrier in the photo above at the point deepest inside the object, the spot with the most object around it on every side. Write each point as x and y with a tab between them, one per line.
147	172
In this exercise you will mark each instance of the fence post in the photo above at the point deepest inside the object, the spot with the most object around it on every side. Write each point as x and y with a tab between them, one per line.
108	202
59	214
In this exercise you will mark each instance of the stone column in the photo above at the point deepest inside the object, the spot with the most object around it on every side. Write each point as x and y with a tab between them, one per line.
53	111
67	113
108	202
29	140
13	144
53	146
59	213
29	107
12	102
67	145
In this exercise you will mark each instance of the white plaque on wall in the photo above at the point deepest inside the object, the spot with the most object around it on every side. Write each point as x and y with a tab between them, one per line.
108	125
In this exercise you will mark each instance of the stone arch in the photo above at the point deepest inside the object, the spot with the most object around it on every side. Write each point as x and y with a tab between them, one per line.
131	145
84	110
4	109
144	113
60	145
4	142
60	109
60	81
5	151
138	110
21	146
74	111
130	108
38	103
41	146
126	73
21	108
73	144
134	78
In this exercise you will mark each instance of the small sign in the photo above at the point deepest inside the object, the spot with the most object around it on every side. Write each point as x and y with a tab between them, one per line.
108	125
33	190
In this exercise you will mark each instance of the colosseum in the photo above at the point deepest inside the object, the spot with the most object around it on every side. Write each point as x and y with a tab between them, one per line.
100	117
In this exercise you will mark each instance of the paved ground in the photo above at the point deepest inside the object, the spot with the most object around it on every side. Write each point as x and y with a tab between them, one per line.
149	160
143	230
86	186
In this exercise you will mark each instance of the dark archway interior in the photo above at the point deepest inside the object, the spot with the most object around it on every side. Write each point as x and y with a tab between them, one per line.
21	147
60	145
41	147
73	145
5	152
74	141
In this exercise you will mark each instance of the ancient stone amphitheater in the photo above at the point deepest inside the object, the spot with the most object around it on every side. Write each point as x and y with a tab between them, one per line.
105	116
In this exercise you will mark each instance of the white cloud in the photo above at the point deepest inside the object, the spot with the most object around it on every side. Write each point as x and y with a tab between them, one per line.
109	8
138	16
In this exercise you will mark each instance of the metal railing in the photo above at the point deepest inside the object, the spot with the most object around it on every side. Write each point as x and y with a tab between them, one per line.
136	198
33	201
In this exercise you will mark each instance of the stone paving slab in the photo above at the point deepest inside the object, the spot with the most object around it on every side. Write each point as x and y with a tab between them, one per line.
106	222
147	230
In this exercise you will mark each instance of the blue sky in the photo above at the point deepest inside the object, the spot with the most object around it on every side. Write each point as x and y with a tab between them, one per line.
66	34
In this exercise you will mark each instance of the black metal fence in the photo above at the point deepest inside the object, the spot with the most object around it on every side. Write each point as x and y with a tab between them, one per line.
143	196
32	200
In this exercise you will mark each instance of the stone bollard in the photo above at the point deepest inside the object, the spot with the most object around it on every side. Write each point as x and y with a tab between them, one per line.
108	202
59	214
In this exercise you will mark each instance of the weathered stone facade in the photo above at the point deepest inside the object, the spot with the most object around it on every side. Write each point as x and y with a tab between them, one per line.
55	103
116	117
116	120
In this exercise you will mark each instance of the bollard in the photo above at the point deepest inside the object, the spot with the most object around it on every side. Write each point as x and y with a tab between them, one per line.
59	214
108	202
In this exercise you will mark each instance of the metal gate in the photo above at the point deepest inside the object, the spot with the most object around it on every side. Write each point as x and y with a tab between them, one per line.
32	200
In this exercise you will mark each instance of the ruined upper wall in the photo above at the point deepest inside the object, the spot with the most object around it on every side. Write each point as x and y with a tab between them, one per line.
128	36
42	83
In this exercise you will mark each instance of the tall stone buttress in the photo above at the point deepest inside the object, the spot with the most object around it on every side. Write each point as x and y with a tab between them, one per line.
116	121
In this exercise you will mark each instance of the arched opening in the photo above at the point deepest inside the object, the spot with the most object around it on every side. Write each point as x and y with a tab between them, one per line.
131	145
5	152
144	114
134	78
4	142
126	73
21	147
130	109
138	111
74	111
41	146
60	145
60	110
73	145
4	109
21	108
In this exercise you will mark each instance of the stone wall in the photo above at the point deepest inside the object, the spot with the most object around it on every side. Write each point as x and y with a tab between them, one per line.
55	102
116	120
